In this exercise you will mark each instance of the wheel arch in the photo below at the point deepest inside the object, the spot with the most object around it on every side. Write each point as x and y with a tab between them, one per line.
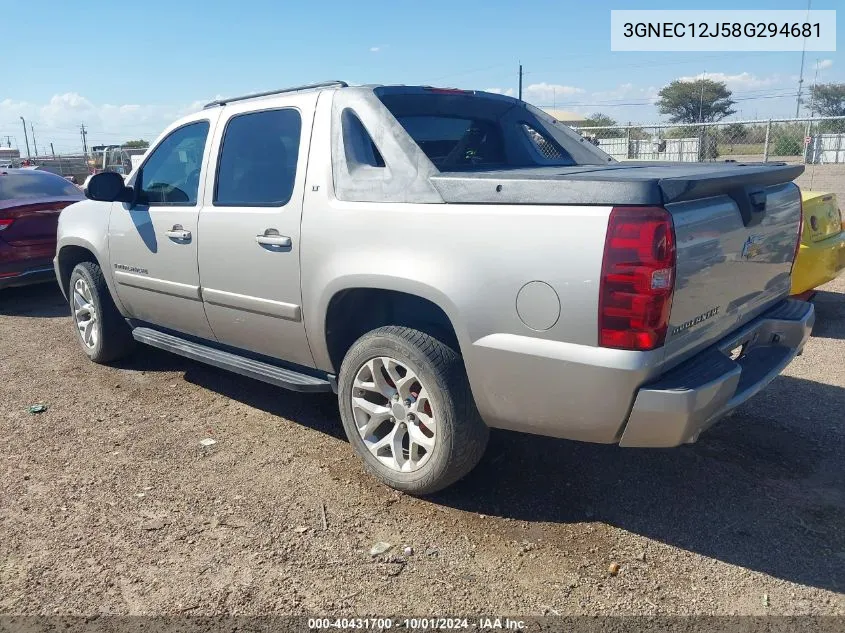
74	252
417	306
68	257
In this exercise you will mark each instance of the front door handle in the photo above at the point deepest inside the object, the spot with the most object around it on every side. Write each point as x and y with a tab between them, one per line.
271	237
178	233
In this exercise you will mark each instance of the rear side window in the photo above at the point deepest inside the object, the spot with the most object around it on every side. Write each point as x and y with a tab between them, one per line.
257	164
358	145
18	184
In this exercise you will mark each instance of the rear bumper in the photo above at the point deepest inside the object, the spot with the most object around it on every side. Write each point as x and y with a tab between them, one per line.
26	277
817	263
682	403
20	266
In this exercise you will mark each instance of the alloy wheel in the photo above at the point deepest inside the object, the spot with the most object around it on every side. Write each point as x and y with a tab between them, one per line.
85	314
394	414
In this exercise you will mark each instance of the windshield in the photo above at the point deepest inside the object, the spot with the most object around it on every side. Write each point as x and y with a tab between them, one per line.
465	131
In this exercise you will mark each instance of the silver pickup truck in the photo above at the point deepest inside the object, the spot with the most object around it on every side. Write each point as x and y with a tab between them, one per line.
446	261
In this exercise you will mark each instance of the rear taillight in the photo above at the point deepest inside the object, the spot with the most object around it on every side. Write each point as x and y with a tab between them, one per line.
637	278
5	223
800	231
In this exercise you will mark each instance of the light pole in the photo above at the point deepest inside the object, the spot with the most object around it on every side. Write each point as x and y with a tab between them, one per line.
26	138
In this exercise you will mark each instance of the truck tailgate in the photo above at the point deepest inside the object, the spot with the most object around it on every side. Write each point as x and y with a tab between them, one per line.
732	263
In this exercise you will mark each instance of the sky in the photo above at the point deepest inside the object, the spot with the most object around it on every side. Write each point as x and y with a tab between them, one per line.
128	69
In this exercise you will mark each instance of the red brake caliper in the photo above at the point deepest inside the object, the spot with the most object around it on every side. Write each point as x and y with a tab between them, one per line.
426	409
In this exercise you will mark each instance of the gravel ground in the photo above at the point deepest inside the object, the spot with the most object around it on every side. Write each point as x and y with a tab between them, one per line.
109	503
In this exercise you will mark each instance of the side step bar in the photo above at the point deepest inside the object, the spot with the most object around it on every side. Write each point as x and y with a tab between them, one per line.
286	378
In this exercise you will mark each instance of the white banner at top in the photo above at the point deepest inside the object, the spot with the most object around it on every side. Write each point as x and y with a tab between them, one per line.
671	30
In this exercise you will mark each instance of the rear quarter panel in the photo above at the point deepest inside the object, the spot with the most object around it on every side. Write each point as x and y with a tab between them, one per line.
35	219
472	261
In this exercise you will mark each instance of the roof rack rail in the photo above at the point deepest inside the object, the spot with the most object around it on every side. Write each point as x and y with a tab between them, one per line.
255	95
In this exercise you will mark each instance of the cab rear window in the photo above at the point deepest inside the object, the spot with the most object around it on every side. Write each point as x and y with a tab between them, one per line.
457	141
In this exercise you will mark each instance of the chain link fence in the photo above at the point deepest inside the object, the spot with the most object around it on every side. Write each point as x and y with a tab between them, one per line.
818	141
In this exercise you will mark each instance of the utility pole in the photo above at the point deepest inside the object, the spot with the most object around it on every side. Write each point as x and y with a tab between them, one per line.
800	85
84	140
813	91
34	144
25	137
52	151
520	81
8	141
801	76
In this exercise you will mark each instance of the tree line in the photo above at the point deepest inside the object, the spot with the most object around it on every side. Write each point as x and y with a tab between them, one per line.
708	101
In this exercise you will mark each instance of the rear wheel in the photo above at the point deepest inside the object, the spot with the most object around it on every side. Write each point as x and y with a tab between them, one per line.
100	328
408	411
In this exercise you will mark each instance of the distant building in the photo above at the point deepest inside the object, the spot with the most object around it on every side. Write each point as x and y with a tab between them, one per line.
565	117
9	157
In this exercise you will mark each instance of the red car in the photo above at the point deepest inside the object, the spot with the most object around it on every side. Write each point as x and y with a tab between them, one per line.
30	203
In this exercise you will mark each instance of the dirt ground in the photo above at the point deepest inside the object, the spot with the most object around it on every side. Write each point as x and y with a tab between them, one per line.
109	504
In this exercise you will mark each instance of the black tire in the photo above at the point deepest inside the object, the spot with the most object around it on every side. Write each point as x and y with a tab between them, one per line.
115	337
461	433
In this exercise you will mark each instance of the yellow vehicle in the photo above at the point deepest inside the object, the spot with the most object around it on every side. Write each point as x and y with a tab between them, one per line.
821	256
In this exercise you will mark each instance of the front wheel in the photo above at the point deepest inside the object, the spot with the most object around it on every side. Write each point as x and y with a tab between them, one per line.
408	411
100	328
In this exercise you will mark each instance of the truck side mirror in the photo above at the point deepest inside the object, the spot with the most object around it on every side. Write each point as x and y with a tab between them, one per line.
108	187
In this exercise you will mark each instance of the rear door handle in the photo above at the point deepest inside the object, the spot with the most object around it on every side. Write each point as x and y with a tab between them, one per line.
178	233
271	237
